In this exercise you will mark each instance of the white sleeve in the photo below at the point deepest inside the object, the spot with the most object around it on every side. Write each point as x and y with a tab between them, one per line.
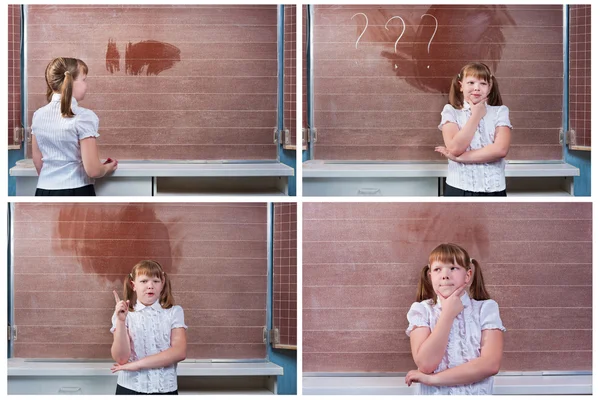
448	115
503	117
87	124
490	316
177	320
417	316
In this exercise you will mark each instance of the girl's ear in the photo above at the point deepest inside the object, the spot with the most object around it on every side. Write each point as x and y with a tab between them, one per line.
469	277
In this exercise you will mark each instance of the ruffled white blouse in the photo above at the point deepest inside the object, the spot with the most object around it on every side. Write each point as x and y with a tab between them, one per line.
149	328
484	177
464	341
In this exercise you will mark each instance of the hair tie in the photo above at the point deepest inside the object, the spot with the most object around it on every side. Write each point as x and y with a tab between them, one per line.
67	73
471	261
458	75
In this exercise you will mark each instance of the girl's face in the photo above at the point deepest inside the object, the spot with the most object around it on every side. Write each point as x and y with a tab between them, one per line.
147	289
447	277
80	86
474	89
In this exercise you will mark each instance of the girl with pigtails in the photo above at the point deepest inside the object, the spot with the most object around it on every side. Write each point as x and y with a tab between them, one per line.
476	130
63	144
149	337
455	330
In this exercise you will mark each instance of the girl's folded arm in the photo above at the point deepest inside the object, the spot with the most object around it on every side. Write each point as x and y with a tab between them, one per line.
486	365
493	152
174	354
428	347
458	140
120	349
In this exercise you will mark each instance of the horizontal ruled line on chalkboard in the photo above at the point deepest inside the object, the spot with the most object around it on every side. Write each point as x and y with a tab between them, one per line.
187	59
132	39
143	256
407	306
419	241
247	77
187	144
103	291
186	93
110	24
145	222
402	330
431	60
444	25
488	285
146	240
112	309
425	42
488	264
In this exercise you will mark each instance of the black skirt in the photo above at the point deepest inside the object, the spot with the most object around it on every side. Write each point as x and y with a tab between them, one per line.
452	191
87	190
124	390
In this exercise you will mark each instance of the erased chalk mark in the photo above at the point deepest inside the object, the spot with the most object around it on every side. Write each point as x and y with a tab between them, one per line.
150	57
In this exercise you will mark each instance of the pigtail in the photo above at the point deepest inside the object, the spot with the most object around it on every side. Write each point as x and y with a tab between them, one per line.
425	288
128	293
166	297
455	98
66	91
494	98
477	288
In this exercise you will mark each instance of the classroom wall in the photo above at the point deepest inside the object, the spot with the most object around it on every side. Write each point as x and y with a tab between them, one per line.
68	258
361	263
14	70
377	100
167	82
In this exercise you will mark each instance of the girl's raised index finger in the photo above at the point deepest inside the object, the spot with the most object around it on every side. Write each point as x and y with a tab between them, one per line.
117	299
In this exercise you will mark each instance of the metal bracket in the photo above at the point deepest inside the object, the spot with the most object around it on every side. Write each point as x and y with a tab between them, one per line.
313	135
274	336
276	136
18	134
11	333
287	137
265	335
304	136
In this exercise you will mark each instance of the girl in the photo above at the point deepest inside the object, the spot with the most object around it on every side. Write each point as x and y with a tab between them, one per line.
148	333
476	130
455	329
64	135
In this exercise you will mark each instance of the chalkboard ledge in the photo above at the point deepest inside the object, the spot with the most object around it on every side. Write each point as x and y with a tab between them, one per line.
180	169
526	383
337	169
34	368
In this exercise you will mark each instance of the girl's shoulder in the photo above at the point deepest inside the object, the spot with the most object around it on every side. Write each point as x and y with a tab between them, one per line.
483	305
425	306
450	108
85	113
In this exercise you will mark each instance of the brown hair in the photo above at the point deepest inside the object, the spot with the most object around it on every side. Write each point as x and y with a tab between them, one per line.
479	71
60	74
151	269
452	253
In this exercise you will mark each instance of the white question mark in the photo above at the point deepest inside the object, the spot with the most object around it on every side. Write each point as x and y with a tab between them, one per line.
403	29
436	28
367	18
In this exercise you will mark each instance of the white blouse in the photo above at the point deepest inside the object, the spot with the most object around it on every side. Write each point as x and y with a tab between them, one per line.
58	140
484	177
149	328
464	341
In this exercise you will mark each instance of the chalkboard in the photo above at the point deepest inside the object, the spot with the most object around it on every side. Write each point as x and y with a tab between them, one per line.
183	82
68	258
361	263
383	73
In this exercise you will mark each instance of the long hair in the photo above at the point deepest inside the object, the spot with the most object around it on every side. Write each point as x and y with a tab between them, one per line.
452	254
151	269
479	71
60	74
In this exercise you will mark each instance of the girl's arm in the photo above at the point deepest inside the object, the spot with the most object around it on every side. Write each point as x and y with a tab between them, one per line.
489	153
91	161
36	154
486	365
120	349
174	354
428	347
